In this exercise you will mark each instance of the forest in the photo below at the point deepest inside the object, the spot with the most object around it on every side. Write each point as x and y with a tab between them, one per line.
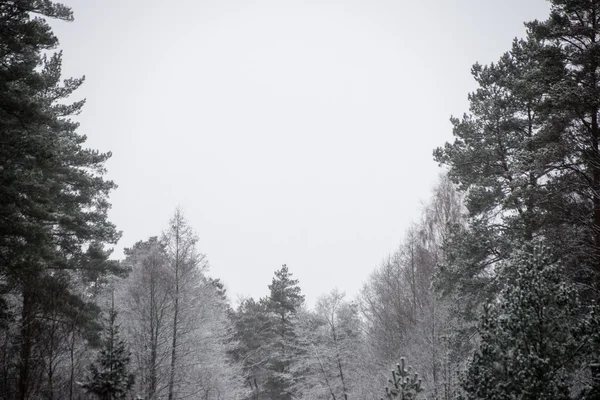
492	293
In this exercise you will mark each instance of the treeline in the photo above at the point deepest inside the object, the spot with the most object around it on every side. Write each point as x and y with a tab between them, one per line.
492	293
524	271
344	348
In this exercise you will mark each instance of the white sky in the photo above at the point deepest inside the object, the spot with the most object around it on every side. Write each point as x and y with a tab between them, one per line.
290	131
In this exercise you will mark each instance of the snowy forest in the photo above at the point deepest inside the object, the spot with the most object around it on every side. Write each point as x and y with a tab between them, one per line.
492	293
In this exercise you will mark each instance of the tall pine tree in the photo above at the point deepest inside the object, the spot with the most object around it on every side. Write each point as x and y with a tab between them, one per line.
528	154
528	158
54	200
500	158
570	59
283	303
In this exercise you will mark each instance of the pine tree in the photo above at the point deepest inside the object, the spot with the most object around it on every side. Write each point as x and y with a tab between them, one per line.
500	157
528	158
252	330
109	377
528	153
404	385
284	301
54	200
532	336
569	58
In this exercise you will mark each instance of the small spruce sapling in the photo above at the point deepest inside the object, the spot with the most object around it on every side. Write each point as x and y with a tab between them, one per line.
403	385
108	377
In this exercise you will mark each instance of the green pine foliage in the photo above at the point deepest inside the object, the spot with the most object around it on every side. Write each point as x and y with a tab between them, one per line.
527	155
532	336
499	158
285	295
527	158
109	377
53	200
404	385
284	301
569	60
252	328
590	328
268	344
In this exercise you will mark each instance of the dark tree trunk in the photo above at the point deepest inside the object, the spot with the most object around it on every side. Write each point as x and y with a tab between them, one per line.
26	343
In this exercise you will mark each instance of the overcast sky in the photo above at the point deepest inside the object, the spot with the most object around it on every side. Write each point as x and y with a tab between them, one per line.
289	131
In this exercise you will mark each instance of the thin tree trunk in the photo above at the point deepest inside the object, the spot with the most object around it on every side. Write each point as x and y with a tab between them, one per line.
26	343
413	278
325	375
596	180
50	364
434	355
529	216
175	316
594	162
153	342
174	344
5	364
72	355
338	358
344	389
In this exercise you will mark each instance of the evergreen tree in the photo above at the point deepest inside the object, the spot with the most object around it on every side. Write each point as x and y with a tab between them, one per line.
54	200
283	303
570	60
404	385
109	378
528	158
499	158
528	153
532	337
252	333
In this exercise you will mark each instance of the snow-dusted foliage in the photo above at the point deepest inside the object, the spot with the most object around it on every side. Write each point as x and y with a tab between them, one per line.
269	346
534	337
404	384
331	338
109	377
177	320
